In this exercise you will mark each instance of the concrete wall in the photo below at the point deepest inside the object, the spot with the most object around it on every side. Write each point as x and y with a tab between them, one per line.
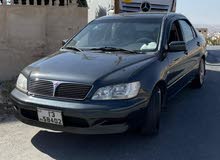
30	32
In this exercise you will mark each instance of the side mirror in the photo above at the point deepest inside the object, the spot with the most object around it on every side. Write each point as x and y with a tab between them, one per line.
64	41
177	46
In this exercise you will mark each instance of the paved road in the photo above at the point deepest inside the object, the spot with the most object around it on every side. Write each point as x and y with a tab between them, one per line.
190	130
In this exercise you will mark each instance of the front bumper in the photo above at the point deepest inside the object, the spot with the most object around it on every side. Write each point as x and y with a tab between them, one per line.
82	117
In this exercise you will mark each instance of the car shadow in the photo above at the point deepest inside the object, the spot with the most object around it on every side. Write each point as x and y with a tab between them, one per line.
190	129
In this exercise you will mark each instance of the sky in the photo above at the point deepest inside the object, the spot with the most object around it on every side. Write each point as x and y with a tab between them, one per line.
200	11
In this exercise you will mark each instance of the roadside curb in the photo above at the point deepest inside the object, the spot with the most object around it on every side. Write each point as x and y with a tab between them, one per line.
213	64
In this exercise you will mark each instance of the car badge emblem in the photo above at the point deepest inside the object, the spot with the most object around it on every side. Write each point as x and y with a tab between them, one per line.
145	6
55	85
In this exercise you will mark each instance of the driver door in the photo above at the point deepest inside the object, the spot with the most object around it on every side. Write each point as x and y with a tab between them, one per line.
177	62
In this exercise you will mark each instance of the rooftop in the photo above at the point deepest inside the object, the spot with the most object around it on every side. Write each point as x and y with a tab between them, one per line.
141	15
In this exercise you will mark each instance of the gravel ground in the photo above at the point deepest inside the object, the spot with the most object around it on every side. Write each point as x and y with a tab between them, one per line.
189	131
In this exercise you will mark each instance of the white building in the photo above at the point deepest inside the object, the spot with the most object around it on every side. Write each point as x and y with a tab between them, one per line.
203	31
98	8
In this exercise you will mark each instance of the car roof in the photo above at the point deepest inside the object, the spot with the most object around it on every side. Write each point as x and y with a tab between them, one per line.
143	15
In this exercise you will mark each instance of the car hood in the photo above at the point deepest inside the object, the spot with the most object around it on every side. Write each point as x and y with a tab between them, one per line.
83	67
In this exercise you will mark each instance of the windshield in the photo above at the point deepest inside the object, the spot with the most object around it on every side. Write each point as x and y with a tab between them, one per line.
131	34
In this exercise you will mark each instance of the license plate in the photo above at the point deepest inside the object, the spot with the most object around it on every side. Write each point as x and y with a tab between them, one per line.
50	116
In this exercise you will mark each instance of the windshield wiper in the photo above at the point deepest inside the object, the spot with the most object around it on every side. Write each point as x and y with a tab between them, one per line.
73	48
114	49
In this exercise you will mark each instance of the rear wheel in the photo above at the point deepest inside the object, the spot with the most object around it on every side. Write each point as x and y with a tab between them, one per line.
199	79
152	114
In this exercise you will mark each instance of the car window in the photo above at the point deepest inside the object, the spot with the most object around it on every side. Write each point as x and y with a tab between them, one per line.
130	34
187	31
175	33
194	32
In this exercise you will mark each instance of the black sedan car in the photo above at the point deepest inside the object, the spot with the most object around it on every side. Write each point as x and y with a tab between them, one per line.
116	74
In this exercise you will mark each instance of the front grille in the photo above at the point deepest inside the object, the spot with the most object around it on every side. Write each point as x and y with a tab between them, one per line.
159	7
131	7
41	87
136	7
74	91
58	89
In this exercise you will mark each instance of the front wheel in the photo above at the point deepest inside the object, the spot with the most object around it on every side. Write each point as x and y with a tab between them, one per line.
152	114
199	79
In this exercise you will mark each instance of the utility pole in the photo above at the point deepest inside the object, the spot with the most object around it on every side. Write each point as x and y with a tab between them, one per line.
117	6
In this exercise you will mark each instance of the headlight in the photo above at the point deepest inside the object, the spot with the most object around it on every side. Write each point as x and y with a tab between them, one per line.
22	83
116	92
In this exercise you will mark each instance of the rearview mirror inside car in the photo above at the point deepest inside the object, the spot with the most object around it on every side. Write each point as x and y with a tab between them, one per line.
176	46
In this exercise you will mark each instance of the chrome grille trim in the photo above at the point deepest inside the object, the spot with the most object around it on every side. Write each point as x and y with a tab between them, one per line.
46	88
40	87
135	7
67	90
159	7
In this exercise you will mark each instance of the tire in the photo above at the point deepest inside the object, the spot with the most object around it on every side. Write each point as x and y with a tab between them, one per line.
200	77
151	123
